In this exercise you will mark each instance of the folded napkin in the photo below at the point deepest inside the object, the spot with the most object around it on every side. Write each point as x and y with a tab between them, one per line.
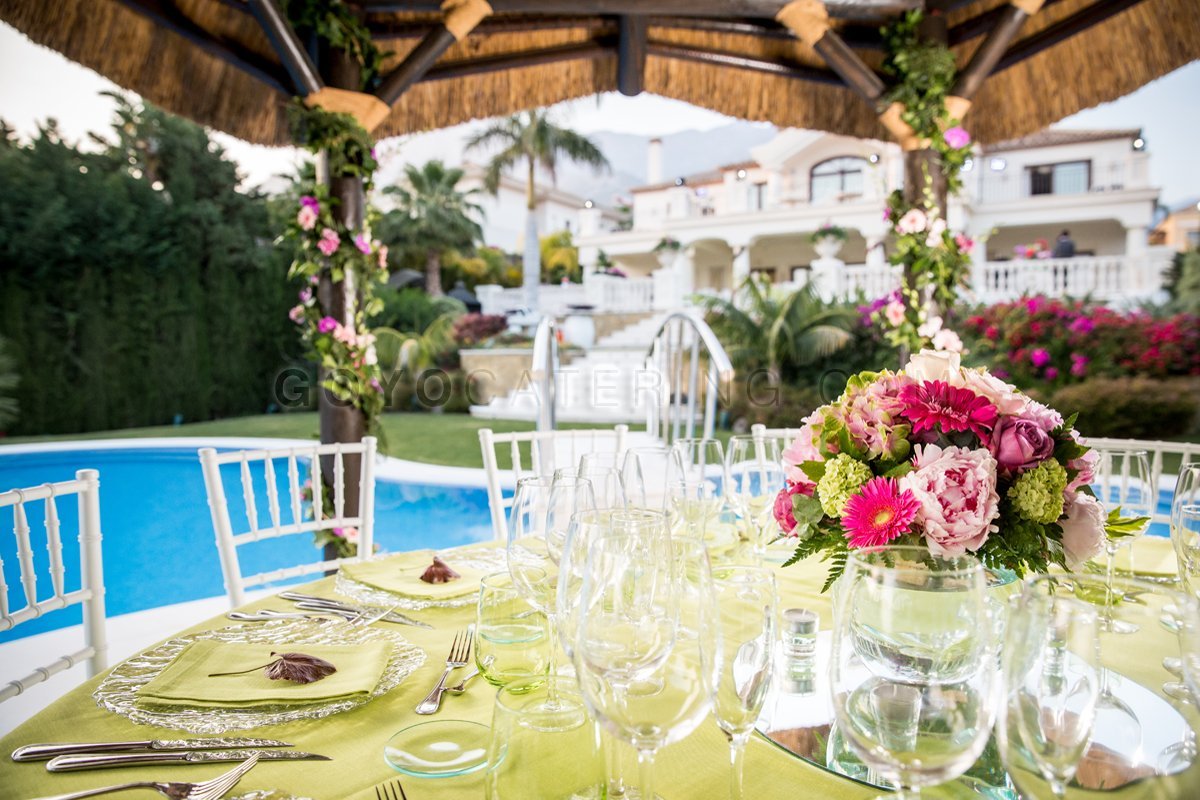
401	574
185	681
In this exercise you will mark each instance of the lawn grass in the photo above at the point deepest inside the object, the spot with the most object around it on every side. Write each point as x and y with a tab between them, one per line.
449	439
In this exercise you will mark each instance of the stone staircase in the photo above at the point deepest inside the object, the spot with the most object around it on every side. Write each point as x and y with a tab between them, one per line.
607	384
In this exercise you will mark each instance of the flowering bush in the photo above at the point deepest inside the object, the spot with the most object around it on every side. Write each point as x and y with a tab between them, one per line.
1044	342
945	456
471	329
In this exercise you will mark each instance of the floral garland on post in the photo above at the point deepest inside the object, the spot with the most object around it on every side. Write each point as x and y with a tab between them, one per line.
936	258
327	247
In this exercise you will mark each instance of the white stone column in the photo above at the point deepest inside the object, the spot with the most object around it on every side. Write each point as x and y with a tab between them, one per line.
685	271
1135	240
741	264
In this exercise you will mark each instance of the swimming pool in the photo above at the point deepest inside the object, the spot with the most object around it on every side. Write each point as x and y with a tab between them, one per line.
158	539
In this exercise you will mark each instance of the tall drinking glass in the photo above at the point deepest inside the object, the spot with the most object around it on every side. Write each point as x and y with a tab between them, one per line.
645	693
756	476
1052	680
512	642
914	664
747	606
1123	480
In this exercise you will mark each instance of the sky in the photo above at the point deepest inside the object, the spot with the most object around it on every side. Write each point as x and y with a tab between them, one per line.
37	83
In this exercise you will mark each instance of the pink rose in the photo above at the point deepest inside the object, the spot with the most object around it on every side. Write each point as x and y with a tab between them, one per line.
329	241
306	218
957	137
894	312
327	325
964	242
956	488
296	315
1019	444
1083	530
783	505
914	221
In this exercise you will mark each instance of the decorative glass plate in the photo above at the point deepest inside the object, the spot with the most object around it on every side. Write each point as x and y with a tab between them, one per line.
118	692
487	559
442	748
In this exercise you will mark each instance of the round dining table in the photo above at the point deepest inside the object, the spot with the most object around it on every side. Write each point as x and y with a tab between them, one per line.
696	767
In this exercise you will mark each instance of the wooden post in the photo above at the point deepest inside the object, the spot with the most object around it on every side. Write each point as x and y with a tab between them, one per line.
341	422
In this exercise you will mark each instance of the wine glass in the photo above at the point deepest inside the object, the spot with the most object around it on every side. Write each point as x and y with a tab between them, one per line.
692	504
606	482
756	476
1123	480
606	459
747	606
699	460
1052	681
1185	525
569	494
644	476
913	664
645	693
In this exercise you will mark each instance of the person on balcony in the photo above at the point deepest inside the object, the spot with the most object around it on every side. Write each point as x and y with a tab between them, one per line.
1064	247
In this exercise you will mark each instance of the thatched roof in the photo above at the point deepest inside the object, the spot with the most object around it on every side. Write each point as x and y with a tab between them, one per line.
210	60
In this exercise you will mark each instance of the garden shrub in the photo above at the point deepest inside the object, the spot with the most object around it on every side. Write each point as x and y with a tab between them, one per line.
757	401
412	309
1131	407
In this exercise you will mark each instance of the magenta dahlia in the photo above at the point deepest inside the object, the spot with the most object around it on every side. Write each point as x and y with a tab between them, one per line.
879	513
934	405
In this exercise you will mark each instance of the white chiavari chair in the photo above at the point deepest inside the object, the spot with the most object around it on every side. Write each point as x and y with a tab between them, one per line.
90	595
537	453
278	524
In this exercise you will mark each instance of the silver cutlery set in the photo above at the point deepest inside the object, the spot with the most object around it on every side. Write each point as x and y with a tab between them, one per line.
312	607
71	757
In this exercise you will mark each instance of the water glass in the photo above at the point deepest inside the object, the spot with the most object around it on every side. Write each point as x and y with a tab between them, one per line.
914	664
512	641
644	476
1123	480
747	606
1185	525
756	475
605	482
1051	681
540	750
534	571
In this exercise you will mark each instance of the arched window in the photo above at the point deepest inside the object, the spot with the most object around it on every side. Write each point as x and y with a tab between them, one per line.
837	178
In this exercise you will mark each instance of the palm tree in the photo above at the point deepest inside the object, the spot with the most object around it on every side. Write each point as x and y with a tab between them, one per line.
431	216
532	138
759	327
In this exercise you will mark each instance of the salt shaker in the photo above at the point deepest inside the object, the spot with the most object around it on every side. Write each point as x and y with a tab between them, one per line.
800	646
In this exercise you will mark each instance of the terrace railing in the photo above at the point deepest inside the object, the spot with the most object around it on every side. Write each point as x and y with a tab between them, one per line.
606	293
1121	278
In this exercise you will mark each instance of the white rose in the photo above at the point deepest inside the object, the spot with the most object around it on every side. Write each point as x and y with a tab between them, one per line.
947	339
934	365
1004	396
1083	530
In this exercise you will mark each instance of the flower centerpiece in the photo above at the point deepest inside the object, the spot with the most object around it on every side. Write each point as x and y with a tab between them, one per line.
945	456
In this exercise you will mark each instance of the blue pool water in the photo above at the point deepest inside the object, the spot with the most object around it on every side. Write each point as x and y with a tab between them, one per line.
158	538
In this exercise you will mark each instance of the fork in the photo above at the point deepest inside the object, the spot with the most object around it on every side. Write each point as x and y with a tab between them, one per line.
390	791
460	656
207	790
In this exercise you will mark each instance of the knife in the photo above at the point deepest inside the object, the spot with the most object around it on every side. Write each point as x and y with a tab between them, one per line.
324	602
107	760
43	752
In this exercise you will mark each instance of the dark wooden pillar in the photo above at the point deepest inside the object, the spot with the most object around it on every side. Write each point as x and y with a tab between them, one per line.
341	422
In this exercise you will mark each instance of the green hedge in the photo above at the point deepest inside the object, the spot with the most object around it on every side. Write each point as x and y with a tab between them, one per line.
1133	408
137	284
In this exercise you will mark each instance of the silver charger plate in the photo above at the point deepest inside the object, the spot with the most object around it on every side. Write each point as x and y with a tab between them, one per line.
487	559
118	692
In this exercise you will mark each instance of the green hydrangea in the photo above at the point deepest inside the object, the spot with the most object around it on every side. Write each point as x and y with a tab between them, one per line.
1038	494
843	475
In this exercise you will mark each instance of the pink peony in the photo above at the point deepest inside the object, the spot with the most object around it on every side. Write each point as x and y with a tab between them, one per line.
938	406
956	489
1084	466
1043	415
894	313
306	218
914	221
327	325
1082	530
329	241
957	137
783	505
1019	444
879	513
1051	373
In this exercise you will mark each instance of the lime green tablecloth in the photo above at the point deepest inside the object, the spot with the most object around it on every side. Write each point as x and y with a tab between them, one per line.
696	767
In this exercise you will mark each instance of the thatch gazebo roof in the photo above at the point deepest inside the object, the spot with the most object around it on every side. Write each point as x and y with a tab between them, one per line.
210	60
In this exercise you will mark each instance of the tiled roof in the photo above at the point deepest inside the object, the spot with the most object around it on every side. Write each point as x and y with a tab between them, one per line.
1052	137
699	178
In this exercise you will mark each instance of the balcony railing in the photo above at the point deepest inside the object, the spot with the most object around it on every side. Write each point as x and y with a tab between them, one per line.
1106	278
606	293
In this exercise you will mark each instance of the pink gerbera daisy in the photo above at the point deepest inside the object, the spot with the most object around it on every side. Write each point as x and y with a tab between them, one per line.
879	513
937	404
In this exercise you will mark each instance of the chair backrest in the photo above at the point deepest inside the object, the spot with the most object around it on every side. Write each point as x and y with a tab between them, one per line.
1155	451
86	488
538	453
763	432
295	521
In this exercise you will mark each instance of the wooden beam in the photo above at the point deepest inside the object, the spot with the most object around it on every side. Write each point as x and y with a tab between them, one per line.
784	69
1060	31
436	42
165	15
691	8
631	55
859	37
979	25
287	46
988	54
809	20
499	62
393	28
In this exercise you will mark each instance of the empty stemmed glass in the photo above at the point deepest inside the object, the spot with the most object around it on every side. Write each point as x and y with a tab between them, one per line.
646	652
1123	480
755	478
914	664
606	482
1185	526
699	459
1052	682
747	606
644	474
692	505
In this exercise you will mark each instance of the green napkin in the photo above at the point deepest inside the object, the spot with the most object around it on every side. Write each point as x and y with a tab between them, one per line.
185	681
401	574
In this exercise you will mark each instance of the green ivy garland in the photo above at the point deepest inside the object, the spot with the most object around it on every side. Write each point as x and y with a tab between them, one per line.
336	23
